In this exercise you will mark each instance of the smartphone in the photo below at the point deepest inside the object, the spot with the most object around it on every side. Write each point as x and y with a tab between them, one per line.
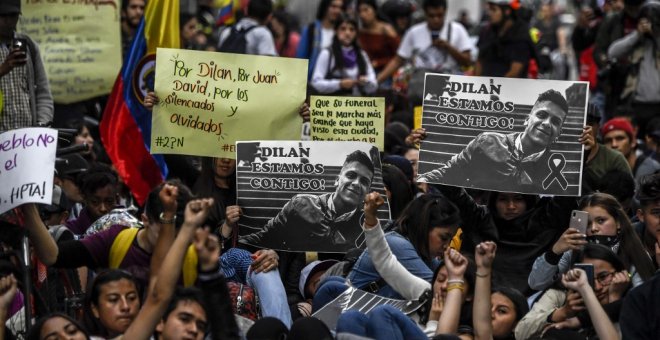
589	269
435	35
579	221
20	44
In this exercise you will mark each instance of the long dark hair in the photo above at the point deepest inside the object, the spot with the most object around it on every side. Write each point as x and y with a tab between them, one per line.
397	183
284	19
422	215
94	292
631	250
600	252
35	331
335	48
206	187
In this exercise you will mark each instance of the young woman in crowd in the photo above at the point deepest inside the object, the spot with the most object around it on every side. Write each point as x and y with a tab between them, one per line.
377	38
495	314
397	188
58	326
608	225
611	281
286	39
112	303
440	314
344	68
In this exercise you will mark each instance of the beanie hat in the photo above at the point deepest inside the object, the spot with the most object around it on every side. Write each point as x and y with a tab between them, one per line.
310	270
617	124
10	6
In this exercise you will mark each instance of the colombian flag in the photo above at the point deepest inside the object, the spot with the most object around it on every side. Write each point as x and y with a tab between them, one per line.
227	11
126	124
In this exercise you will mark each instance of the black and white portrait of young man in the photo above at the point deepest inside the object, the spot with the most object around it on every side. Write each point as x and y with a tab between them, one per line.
511	146
326	214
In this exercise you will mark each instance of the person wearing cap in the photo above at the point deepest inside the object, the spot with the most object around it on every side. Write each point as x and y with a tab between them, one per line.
325	223
599	159
505	46
67	170
23	83
311	276
618	134
516	160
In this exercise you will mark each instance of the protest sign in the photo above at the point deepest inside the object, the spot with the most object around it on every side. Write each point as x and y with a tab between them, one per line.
348	119
306	196
210	100
361	301
513	135
80	45
27	166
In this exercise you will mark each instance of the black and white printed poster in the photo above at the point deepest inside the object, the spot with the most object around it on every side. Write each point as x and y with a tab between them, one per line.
361	301
306	195
503	134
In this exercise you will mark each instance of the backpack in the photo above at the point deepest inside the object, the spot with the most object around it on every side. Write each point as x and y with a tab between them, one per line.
236	42
123	242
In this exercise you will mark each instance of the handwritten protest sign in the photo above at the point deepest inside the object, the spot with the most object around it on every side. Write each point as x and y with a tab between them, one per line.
27	165
80	45
348	119
210	100
514	135
306	196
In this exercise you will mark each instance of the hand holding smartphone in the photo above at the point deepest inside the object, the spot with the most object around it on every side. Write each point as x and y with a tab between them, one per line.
579	221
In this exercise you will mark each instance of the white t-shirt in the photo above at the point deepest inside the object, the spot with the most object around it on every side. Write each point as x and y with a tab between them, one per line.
326	37
416	45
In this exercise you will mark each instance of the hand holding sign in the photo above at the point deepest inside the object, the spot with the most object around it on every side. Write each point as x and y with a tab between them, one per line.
27	165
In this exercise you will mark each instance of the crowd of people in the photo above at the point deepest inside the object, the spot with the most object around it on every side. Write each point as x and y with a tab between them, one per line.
482	265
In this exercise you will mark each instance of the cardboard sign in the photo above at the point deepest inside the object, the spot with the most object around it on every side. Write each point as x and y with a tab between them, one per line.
210	100
348	119
80	44
306	196
502	134
27	166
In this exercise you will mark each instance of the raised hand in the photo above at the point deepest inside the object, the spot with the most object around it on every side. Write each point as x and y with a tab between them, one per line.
372	201
197	211
485	254
571	239
415	136
167	196
456	264
232	214
619	285
8	289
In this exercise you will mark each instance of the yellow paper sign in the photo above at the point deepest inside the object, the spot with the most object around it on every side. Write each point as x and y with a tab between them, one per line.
79	42
417	117
348	119
210	100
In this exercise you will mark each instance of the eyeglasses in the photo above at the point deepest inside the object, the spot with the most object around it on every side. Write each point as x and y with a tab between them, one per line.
605	278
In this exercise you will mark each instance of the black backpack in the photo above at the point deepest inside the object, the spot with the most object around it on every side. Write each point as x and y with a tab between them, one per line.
235	42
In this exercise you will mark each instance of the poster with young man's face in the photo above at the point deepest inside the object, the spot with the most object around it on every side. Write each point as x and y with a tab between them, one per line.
503	134
304	195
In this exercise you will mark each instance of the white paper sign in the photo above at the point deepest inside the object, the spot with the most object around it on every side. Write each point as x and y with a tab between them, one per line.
27	165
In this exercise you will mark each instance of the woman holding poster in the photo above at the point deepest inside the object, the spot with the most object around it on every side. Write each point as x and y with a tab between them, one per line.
344	68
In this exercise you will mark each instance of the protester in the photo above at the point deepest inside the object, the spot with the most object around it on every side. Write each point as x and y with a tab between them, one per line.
132	12
610	280
608	225
112	303
378	38
505	46
618	134
318	35
258	39
344	68
286	38
23	82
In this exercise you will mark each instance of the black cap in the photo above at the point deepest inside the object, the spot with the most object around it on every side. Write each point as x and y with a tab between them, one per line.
71	165
10	7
